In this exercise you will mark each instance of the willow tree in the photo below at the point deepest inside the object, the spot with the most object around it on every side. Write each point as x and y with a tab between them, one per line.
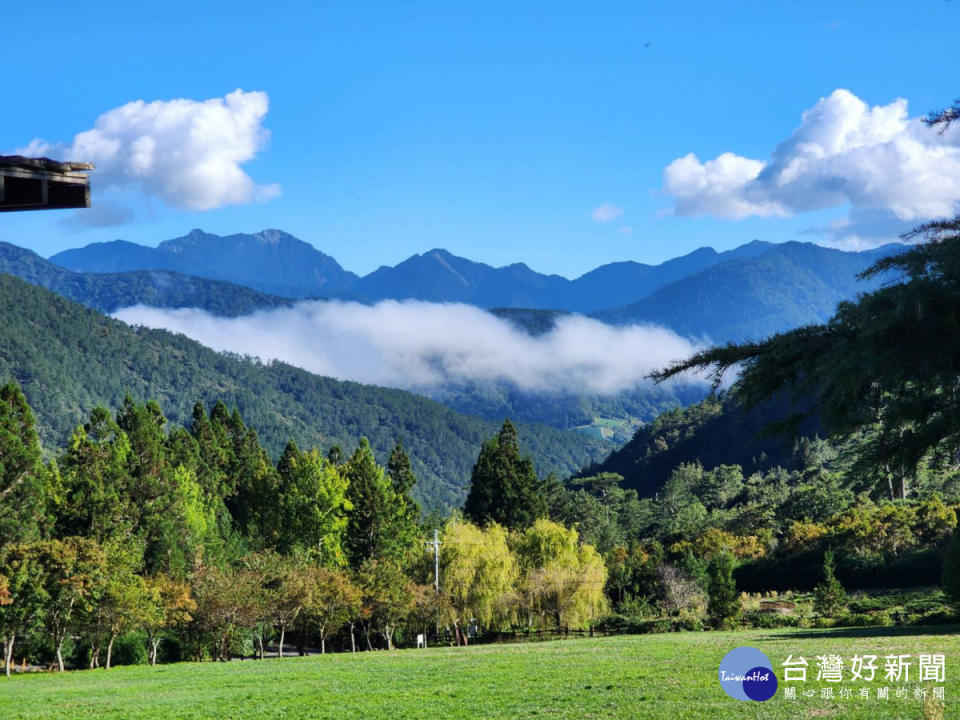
562	578
478	573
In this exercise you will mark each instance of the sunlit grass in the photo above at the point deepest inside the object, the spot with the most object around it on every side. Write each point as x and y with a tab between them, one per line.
671	676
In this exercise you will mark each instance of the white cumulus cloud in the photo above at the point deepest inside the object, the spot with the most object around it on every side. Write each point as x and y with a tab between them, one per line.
606	212
890	169
426	346
187	153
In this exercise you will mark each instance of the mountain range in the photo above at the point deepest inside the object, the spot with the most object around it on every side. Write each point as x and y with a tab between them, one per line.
740	294
108	292
271	261
276	263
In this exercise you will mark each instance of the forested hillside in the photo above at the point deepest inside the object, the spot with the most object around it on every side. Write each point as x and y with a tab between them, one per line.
68	359
108	292
790	285
716	431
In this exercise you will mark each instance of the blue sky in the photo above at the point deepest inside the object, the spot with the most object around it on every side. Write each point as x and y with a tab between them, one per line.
490	129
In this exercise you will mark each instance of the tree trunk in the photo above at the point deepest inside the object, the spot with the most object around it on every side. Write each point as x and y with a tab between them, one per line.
323	644
283	631
8	653
260	644
353	640
60	654
154	644
95	654
110	650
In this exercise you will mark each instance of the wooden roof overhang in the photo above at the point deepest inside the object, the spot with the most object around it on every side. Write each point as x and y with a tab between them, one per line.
43	184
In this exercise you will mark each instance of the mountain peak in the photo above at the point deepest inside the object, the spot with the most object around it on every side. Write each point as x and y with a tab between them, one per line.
272	236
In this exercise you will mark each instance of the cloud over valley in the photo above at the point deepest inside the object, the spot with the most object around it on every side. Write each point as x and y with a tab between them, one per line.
425	346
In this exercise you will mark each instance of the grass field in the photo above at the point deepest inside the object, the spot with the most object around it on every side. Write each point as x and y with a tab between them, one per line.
671	676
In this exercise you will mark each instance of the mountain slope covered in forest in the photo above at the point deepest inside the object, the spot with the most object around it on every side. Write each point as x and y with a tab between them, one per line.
68	358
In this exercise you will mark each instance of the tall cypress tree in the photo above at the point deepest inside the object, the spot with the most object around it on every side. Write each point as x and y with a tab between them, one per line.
20	468
504	487
379	525
402	477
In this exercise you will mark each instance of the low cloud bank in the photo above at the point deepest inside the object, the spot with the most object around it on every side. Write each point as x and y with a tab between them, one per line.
421	346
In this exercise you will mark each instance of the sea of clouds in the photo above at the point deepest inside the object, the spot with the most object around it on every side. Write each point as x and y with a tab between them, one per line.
422	346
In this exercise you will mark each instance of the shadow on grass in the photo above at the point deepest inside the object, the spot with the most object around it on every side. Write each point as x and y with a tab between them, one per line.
868	632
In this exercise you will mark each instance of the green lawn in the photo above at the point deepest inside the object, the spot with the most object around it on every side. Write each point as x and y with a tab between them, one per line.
671	676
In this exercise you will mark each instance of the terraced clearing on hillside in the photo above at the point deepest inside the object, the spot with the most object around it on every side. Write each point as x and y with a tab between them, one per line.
671	676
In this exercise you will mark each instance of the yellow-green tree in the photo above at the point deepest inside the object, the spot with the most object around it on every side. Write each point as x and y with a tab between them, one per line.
478	573
313	505
561	578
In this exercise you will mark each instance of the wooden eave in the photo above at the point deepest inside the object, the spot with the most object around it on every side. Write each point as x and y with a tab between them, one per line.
43	184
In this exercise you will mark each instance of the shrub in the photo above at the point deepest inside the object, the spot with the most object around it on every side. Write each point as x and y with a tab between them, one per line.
769	621
951	569
129	650
879	618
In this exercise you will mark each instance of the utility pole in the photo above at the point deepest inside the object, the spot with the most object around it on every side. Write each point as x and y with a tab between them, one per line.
436	559
436	571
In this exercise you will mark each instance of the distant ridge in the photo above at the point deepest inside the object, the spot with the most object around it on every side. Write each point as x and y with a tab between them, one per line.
108	292
753	296
277	263
270	261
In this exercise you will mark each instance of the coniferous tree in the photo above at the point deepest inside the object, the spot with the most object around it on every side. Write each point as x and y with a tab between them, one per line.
379	525
95	481
401	476
21	472
829	596
723	606
504	487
